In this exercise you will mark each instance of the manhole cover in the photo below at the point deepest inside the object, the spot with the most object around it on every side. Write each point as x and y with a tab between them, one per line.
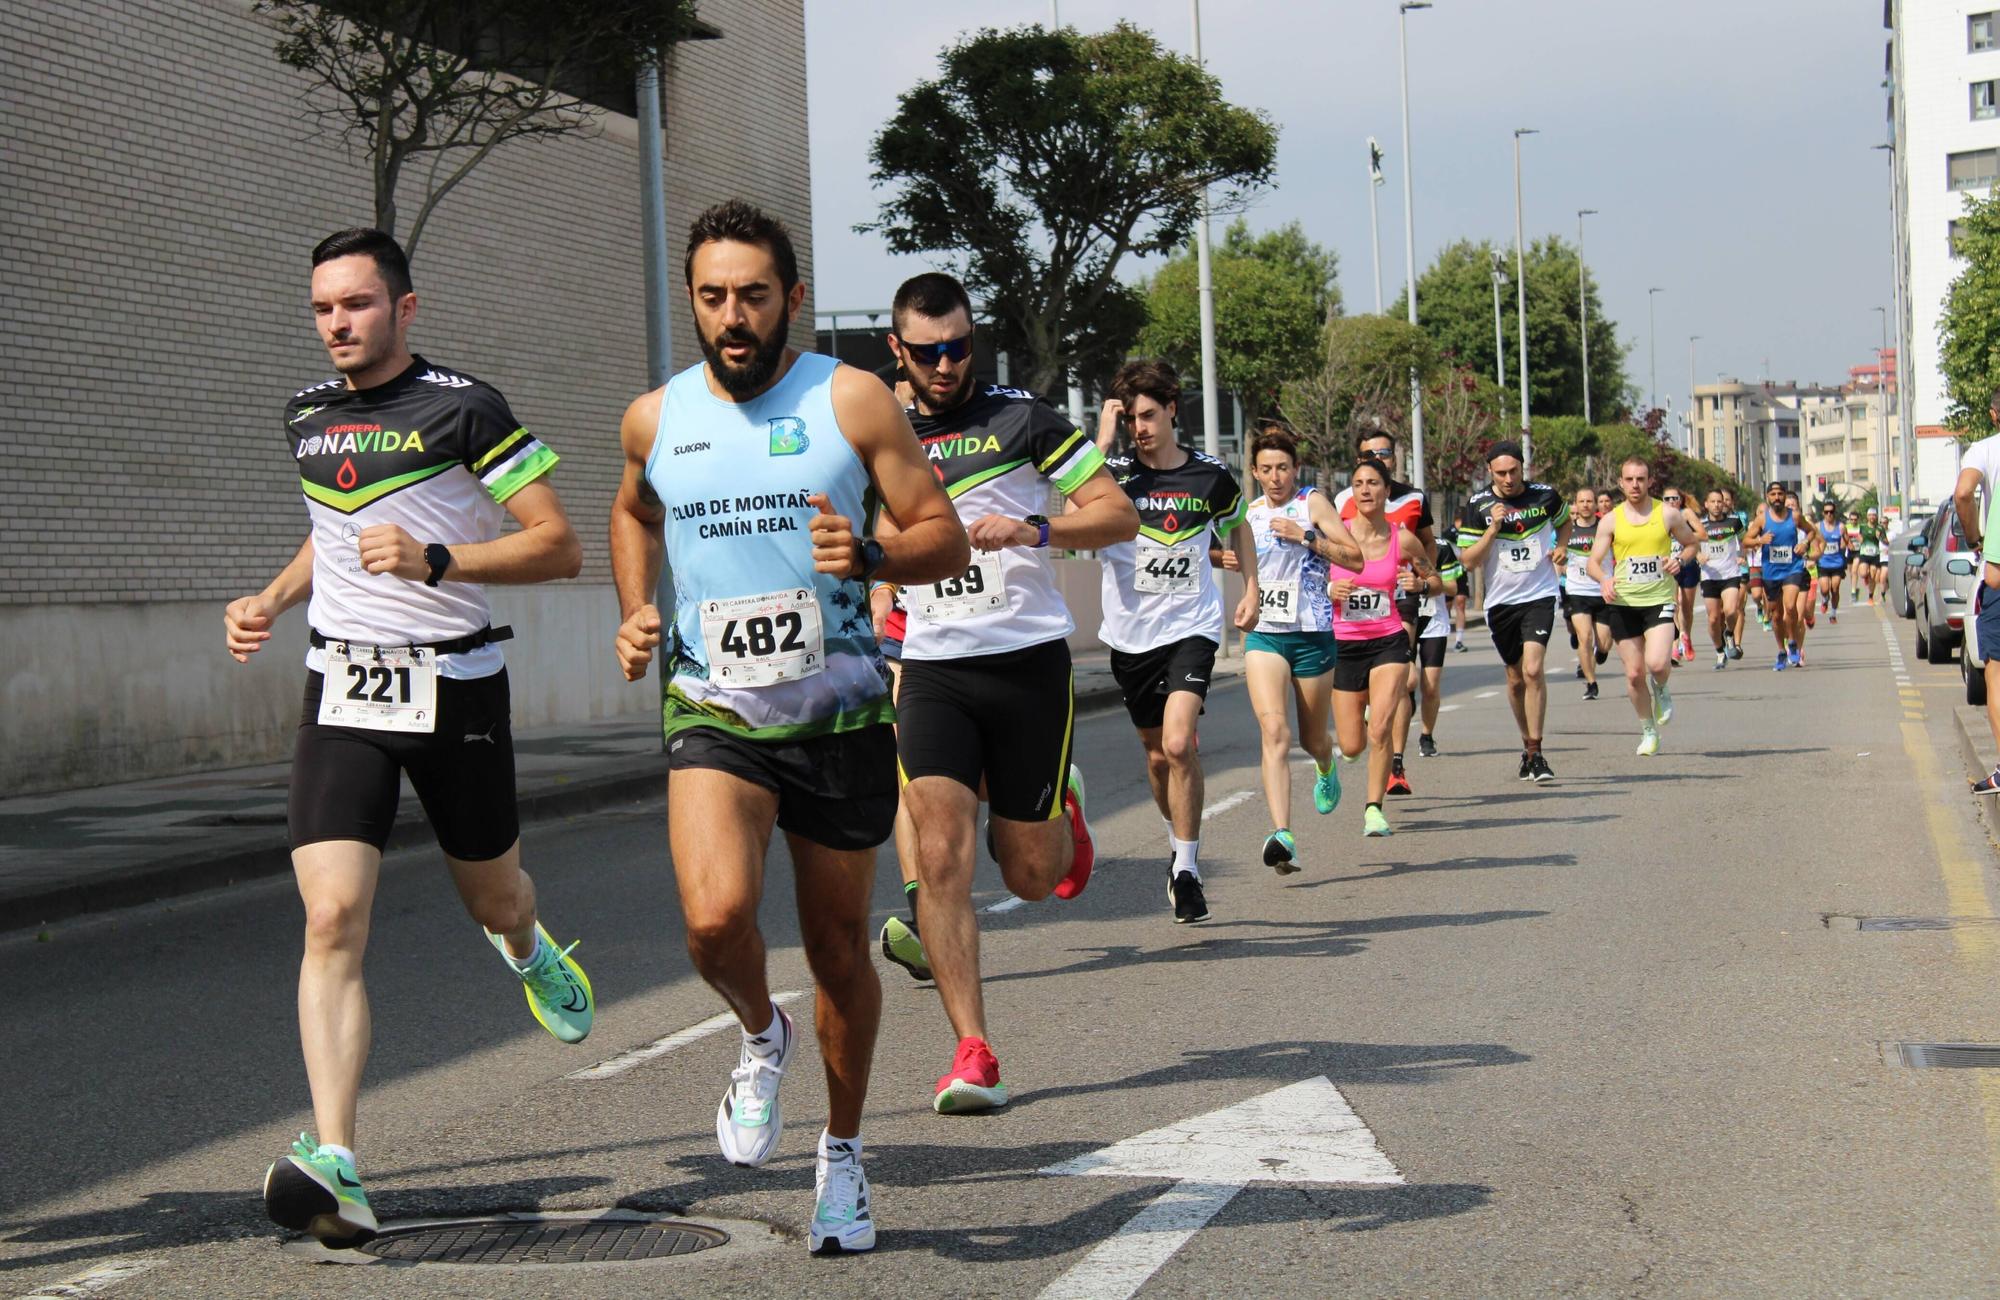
1944	1056
544	1241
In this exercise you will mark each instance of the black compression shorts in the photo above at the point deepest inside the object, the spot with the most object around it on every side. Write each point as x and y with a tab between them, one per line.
1007	718
1712	588
1628	621
347	781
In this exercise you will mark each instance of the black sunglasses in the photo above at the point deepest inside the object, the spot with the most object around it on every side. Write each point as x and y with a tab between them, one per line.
928	354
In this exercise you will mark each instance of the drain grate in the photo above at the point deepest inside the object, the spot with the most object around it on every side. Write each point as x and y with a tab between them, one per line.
1921	922
1944	1056
544	1241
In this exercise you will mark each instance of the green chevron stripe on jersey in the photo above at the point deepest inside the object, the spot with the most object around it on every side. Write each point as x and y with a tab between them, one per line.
1161	588
349	502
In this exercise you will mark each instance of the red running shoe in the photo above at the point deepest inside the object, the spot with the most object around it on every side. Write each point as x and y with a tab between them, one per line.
974	1082
1085	854
1398	783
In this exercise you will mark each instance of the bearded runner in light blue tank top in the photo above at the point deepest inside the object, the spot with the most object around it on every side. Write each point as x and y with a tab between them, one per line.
747	473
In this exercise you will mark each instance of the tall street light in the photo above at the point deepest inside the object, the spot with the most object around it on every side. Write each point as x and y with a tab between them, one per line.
1882	406
1692	339
1904	427
1499	341
1521	289
1583	308
1653	348
1211	432
1410	235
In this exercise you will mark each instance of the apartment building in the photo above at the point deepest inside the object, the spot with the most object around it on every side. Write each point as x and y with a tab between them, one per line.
1752	430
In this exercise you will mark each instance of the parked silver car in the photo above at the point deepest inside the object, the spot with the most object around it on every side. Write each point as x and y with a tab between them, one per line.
1940	578
1899	560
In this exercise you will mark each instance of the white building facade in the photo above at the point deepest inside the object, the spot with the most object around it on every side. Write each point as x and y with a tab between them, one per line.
1943	65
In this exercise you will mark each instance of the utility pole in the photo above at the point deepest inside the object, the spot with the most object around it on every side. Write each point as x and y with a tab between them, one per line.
1211	423
1583	310
1521	290
1375	183
1410	236
1653	348
1693	406
1499	339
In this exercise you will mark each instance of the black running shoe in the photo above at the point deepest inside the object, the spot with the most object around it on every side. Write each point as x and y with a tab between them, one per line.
1190	904
1527	765
1590	690
1579	672
1539	769
1426	747
1602	655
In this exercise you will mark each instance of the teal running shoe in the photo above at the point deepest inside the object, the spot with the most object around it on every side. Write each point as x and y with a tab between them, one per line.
1281	852
1326	789
558	991
314	1190
901	945
1663	706
1374	823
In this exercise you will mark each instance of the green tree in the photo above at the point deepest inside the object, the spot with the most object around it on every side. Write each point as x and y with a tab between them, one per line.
1455	304
446	82
1042	159
1969	329
1361	381
1273	293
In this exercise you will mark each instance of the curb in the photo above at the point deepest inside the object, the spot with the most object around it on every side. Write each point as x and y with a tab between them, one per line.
202	869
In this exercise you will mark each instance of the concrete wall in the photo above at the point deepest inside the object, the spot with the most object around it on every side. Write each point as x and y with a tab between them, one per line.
161	187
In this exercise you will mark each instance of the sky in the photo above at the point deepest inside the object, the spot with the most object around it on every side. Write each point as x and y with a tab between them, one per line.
1724	143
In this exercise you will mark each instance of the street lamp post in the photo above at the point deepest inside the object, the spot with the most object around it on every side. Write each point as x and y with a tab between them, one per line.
1499	339
1653	350
1692	405
1583	309
1904	428
1882	406
1521	290
1211	419
1374	220
1410	235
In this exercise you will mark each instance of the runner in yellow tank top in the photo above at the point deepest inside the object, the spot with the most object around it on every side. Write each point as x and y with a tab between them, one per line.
1635	558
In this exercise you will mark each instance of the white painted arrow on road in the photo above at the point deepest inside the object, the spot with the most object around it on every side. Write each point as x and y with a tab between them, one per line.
1301	1133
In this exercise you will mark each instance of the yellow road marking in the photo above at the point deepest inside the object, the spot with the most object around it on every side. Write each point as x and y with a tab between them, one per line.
1965	895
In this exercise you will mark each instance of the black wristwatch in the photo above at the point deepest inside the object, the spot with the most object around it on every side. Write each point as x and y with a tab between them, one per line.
438	556
872	556
1311	539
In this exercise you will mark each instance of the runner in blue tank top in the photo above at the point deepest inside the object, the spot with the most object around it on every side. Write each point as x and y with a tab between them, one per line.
1832	564
747	472
1775	528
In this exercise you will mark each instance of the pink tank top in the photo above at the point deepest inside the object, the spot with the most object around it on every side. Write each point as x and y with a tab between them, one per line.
1370	609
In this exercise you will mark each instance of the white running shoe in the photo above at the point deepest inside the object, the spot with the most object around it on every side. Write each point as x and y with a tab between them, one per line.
841	1222
1663	704
747	1122
1649	741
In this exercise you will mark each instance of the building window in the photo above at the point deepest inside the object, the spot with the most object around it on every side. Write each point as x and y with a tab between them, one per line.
1973	169
1982	100
1979	31
1951	236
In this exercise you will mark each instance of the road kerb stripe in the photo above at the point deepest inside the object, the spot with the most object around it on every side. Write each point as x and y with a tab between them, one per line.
624	1061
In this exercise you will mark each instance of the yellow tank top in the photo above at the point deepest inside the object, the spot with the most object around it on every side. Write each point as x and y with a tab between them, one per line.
1639	557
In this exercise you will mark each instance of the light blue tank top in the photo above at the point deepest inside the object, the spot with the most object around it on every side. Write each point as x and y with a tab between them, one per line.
1784	540
761	645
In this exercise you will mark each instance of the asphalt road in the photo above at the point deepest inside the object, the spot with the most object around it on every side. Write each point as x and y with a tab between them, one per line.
1616	1035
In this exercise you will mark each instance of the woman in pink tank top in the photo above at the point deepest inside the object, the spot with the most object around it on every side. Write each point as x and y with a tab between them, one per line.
1372	669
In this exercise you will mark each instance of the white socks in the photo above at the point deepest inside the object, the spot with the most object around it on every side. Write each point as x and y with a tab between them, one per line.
522	964
772	1040
334	1149
827	1140
1184	857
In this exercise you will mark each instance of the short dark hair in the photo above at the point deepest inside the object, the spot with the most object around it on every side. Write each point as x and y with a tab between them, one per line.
1505	447
390	259
1273	436
1372	466
734	221
933	295
1154	379
1635	459
1373	435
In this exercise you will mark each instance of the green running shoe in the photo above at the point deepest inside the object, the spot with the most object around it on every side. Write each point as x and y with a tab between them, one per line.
1663	706
1649	740
1326	789
1374	823
1281	852
901	945
558	991
314	1190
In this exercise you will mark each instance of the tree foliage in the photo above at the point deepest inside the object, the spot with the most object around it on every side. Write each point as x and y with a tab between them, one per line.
1040	160
1361	381
441	84
1455	304
1273	293
1969	329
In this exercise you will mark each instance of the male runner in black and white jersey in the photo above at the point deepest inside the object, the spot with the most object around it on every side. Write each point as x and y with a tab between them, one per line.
408	470
1162	607
986	696
1409	506
1583	600
1508	532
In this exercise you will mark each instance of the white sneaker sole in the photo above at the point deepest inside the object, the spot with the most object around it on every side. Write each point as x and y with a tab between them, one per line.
961	1097
849	1239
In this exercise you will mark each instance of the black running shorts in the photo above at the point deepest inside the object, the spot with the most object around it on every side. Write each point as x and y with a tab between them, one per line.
1712	588
1513	626
347	781
1147	678
1688	575
1591	605
1430	651
1628	621
1006	718
1357	659
837	790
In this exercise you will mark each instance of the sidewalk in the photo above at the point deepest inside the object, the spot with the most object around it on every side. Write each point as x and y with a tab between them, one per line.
78	851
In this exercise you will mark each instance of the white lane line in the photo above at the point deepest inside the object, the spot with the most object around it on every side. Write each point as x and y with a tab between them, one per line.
624	1061
1486	695
1006	904
92	1280
1447	708
1222	806
1120	1266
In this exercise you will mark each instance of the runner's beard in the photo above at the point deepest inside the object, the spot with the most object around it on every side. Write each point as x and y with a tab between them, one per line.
746	381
